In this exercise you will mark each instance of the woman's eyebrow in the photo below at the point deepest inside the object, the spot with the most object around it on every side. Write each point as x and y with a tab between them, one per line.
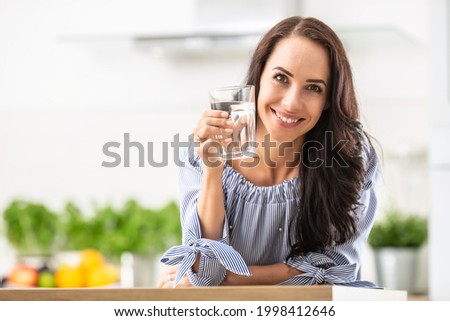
283	70
317	81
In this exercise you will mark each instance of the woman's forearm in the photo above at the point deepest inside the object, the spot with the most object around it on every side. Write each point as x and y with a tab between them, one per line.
263	275
210	206
211	210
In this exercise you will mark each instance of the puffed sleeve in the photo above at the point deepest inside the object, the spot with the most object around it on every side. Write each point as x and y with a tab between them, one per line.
341	264
215	256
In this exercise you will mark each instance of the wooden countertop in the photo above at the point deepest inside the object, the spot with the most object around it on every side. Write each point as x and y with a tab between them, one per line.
222	293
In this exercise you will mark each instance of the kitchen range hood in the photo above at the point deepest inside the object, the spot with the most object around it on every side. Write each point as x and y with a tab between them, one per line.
181	26
198	43
213	27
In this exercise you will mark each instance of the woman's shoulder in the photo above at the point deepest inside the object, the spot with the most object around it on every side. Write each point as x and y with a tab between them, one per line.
368	150
370	159
188	157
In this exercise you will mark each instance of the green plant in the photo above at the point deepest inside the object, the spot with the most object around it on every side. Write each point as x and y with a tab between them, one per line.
76	231
130	228
35	230
399	230
31	228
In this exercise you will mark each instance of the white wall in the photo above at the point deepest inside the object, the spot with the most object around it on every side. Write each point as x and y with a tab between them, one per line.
439	164
71	80
387	44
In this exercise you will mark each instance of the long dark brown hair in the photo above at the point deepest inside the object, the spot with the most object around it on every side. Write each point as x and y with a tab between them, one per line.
330	192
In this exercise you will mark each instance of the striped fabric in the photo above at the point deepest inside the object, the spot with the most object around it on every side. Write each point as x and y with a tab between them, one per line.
256	230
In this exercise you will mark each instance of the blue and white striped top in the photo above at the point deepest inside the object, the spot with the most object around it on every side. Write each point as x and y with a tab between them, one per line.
256	230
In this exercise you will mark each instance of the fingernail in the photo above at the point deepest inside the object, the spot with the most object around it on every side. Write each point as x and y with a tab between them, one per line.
224	114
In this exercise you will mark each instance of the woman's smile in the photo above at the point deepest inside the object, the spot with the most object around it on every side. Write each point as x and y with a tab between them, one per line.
286	120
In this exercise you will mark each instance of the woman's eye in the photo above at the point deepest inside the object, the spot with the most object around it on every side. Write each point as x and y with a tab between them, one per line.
281	78
314	88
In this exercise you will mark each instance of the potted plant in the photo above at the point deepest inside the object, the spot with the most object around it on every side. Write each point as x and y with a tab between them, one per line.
31	228
396	241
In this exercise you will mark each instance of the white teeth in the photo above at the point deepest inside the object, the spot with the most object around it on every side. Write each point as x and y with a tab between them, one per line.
287	120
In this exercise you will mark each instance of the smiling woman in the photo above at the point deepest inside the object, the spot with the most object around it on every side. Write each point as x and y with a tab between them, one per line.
303	213
294	95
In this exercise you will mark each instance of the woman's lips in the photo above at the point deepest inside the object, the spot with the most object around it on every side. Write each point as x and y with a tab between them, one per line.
285	121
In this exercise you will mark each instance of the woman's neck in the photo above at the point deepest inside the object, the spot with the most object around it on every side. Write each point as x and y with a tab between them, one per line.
277	161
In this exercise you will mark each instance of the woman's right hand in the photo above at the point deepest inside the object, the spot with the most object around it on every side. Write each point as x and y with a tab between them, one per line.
168	275
213	129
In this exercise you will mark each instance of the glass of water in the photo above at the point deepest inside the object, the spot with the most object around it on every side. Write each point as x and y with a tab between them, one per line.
239	102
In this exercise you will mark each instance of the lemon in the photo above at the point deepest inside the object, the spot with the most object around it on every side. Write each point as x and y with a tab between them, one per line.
102	275
90	259
68	277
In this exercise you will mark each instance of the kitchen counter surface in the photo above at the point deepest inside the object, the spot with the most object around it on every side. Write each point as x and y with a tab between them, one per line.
222	293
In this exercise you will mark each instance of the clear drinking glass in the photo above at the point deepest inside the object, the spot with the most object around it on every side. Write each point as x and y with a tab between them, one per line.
239	102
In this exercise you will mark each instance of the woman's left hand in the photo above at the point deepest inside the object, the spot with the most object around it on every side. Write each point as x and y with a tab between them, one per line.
168	275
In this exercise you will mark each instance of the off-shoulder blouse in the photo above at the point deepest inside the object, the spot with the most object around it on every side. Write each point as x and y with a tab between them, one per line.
256	230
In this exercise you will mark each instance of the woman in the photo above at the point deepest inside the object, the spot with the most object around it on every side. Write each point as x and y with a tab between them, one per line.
300	216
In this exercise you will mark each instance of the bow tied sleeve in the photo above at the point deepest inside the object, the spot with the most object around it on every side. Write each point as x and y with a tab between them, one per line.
210	250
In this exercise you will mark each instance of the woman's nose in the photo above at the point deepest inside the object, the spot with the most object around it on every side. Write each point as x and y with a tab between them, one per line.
291	99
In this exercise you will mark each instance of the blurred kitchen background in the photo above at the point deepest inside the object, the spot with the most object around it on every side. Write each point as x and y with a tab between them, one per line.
75	75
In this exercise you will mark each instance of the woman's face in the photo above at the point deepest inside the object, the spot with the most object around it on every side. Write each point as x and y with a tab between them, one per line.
293	88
